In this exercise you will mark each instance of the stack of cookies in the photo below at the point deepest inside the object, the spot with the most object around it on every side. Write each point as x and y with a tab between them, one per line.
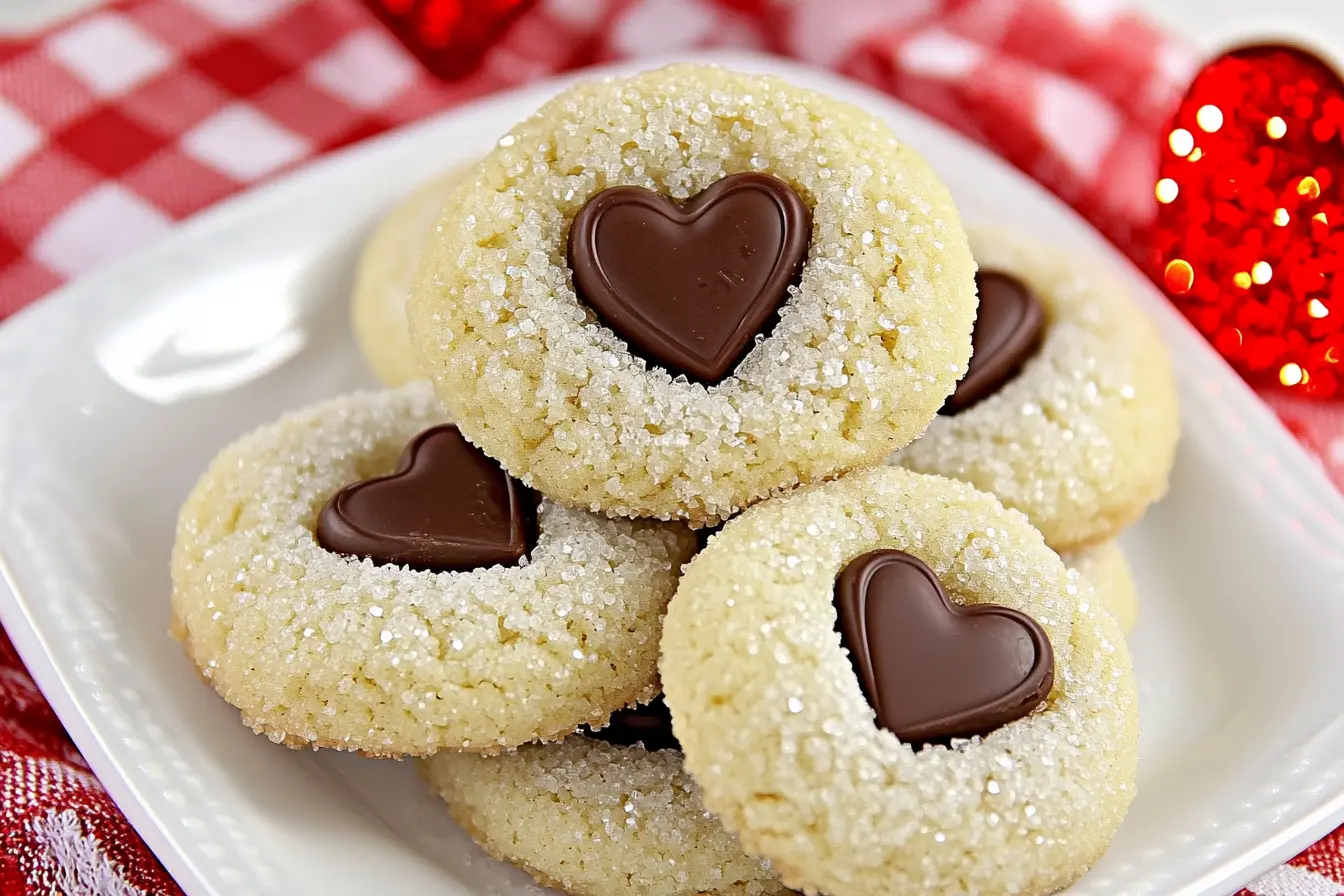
705	540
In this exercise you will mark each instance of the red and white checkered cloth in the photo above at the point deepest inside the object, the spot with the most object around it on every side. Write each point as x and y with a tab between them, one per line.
119	122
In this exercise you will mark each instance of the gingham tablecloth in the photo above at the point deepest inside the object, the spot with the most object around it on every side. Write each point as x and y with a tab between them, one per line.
120	122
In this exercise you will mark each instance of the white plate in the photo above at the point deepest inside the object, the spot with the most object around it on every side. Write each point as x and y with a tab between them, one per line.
119	390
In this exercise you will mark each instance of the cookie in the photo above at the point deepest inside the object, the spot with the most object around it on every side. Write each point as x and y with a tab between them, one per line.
540	617
1105	568
594	818
383	281
787	717
672	295
1077	426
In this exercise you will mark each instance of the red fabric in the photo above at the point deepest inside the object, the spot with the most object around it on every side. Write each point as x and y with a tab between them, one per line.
59	830
119	122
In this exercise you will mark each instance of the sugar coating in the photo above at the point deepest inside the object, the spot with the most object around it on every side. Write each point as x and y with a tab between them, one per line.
324	650
1083	440
867	348
595	819
784	745
1105	569
383	280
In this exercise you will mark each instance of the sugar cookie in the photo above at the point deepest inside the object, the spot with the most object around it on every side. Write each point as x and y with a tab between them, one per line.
781	736
1083	438
383	281
317	648
683	204
593	819
1105	568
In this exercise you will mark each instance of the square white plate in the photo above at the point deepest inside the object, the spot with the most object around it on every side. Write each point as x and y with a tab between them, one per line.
120	389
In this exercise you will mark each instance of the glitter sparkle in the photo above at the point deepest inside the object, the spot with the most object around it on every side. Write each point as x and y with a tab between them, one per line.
1246	243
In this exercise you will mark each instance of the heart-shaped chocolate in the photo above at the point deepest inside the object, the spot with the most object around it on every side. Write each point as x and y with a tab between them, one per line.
933	670
1008	329
690	286
447	508
650	725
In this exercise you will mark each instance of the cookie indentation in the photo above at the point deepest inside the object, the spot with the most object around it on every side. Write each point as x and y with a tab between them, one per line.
1008	330
933	670
447	508
690	286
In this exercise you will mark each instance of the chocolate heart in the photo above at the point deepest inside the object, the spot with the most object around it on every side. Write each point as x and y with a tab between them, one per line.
447	508
1008	330
933	670
650	725
690	286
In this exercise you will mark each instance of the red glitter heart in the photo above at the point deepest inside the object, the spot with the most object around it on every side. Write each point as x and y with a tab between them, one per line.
1250	225
449	36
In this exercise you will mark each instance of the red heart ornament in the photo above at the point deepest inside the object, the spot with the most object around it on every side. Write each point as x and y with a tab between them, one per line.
1250	226
449	36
